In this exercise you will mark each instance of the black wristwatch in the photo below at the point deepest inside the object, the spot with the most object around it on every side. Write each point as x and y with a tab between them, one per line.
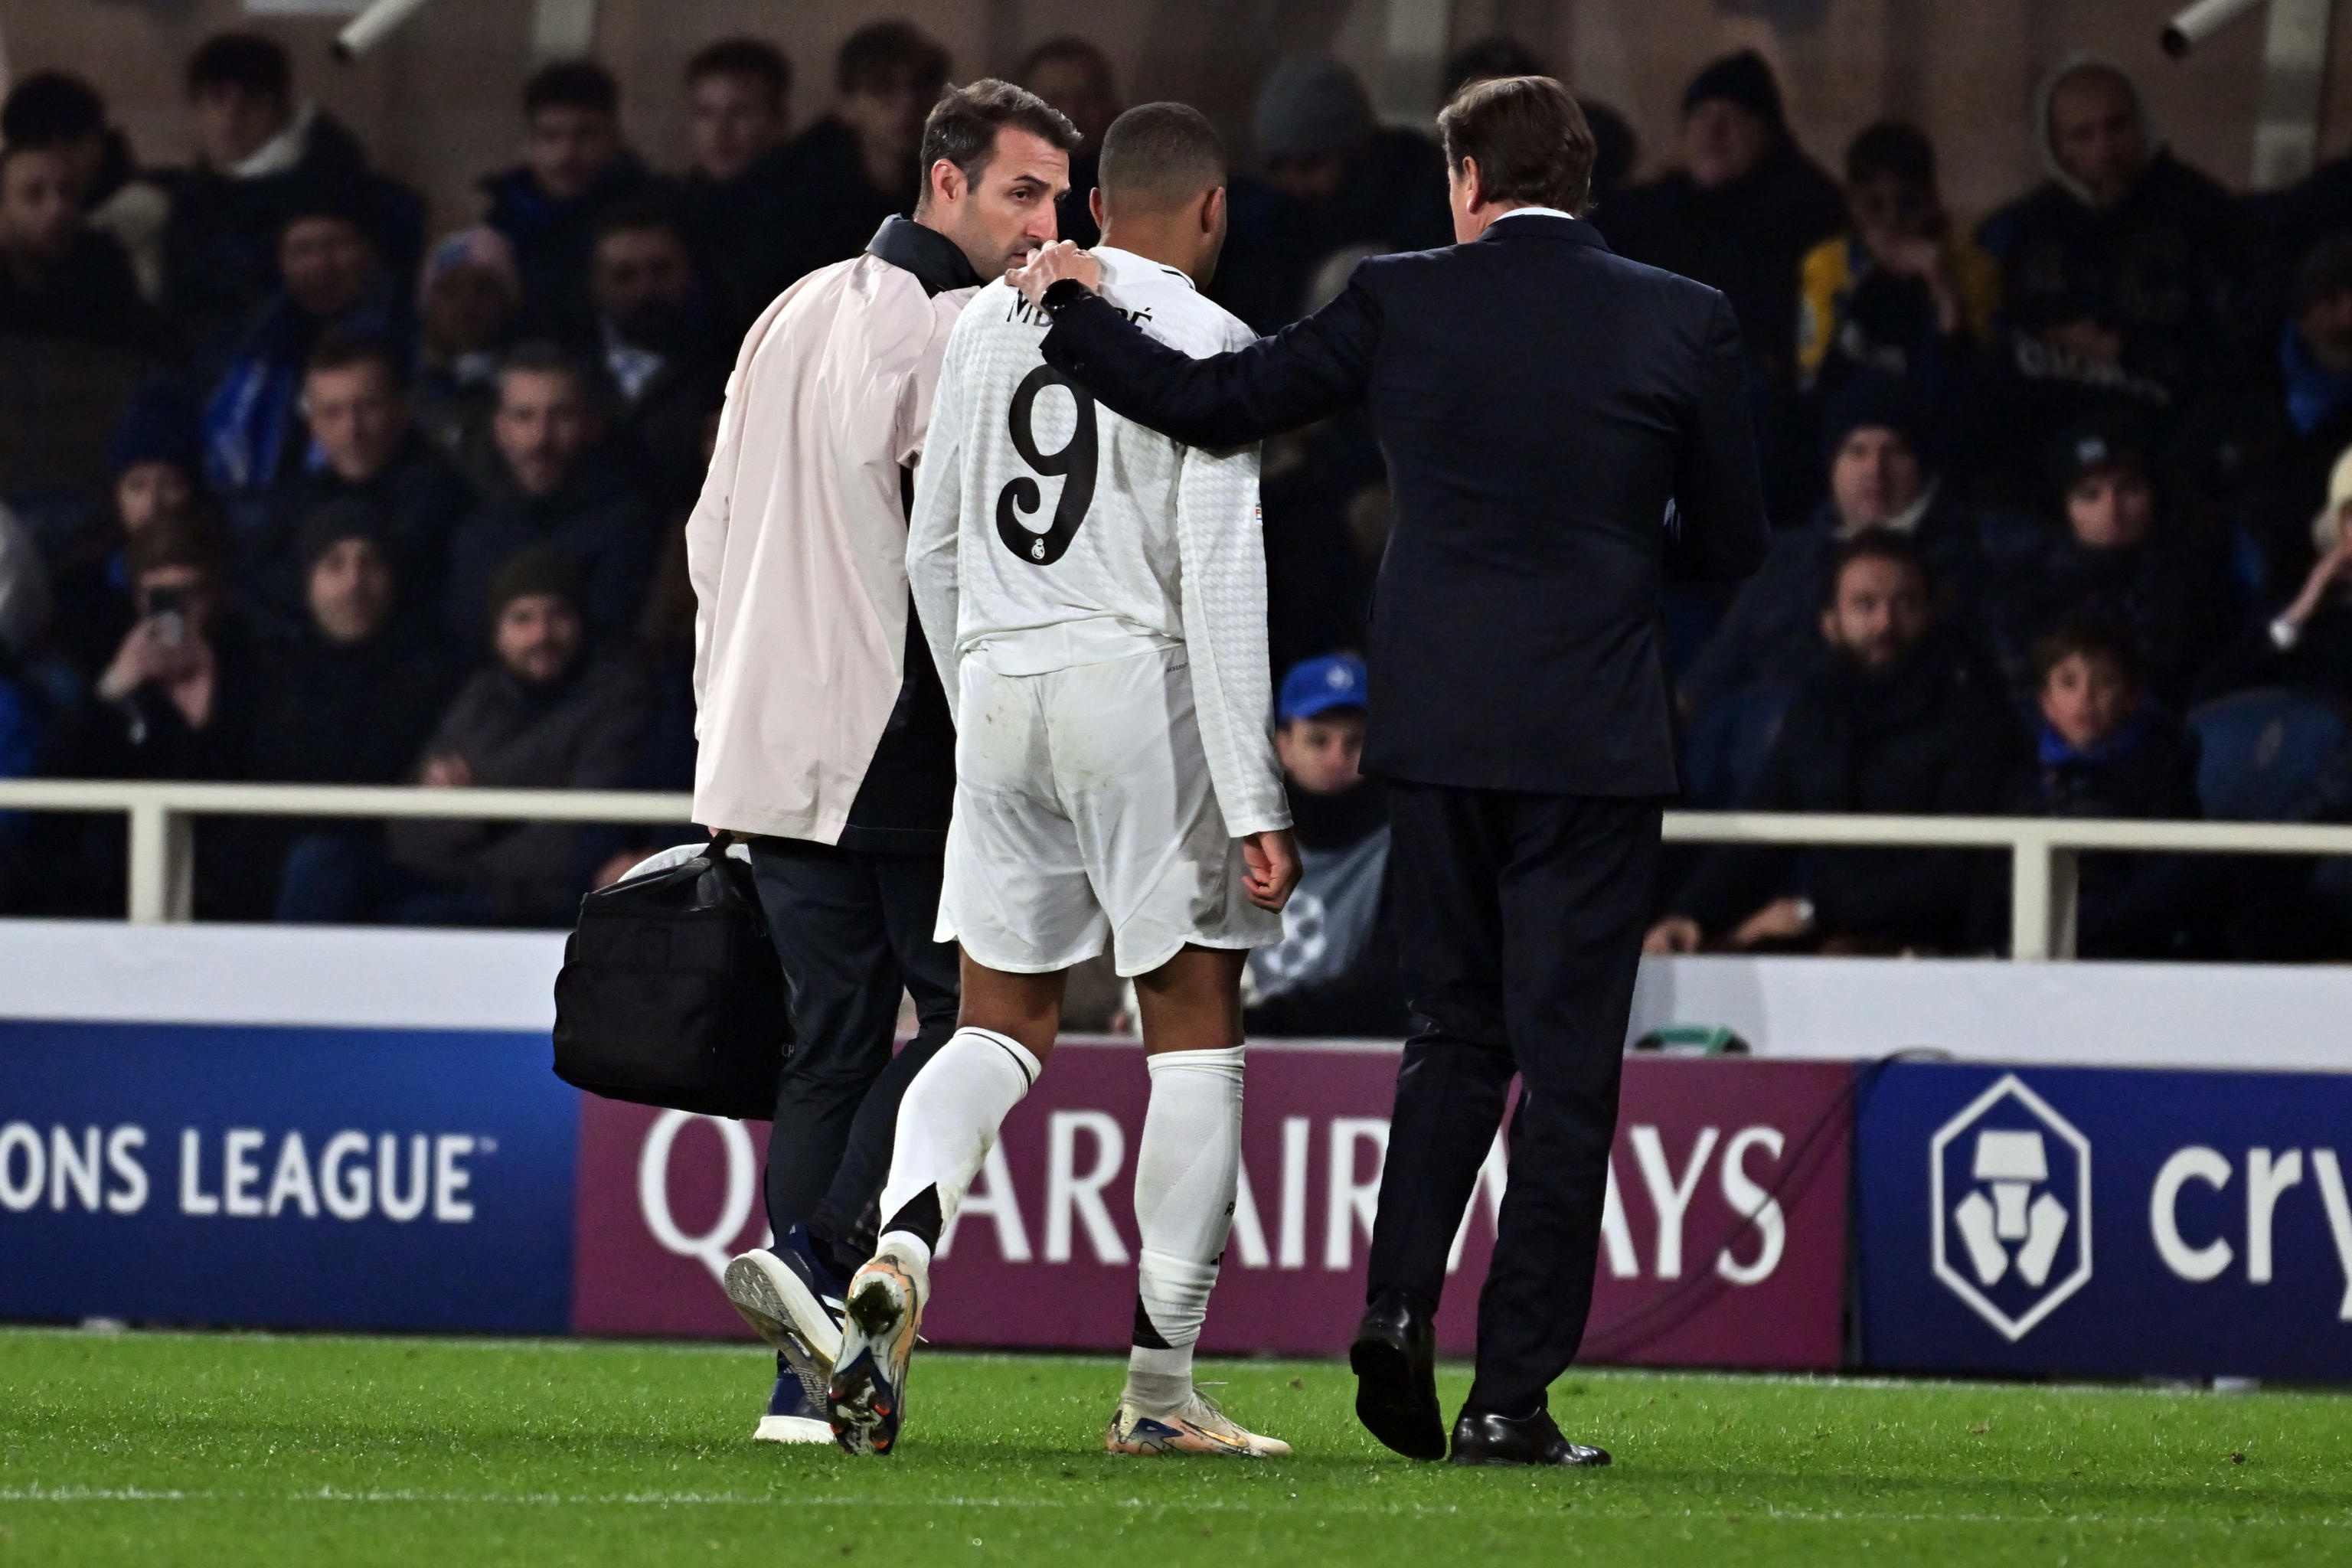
1061	293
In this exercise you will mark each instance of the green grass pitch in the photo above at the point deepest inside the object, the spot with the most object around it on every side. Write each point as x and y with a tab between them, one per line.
245	1450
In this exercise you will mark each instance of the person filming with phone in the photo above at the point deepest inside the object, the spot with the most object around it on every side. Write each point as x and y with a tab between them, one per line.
177	689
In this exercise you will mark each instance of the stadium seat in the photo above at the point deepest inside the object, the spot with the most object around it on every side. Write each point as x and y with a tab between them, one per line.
1727	744
2258	749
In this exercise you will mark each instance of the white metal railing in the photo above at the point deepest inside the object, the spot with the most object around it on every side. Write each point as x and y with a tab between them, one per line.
2043	850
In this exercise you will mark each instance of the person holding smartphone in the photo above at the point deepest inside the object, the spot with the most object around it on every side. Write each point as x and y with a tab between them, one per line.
177	686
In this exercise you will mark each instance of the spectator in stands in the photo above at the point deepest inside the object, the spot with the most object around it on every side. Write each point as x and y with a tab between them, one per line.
60	278
64	114
856	166
2104	749
658	342
365	447
1615	146
152	458
351	696
740	92
575	166
1874	446
1076	77
2117	272
2122	558
334	281
1900	719
2294	421
1333	179
544	715
560	483
664	756
176	700
2309	643
1335	970
467	301
262	152
1740	212
1899	290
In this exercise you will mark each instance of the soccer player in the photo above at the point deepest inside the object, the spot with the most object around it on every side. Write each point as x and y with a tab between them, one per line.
1095	597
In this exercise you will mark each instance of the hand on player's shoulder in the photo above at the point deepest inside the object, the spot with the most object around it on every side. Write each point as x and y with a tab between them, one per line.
1048	267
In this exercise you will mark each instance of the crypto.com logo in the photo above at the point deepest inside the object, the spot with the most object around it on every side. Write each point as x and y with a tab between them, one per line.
2010	1191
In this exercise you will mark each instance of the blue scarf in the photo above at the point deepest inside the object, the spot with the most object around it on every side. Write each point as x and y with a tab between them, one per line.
2054	751
2312	391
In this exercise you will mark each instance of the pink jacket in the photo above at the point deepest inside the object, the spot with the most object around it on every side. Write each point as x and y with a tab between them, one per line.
797	547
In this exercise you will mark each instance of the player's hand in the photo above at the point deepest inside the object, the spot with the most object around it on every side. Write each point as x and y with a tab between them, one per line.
1676	933
1272	859
1061	259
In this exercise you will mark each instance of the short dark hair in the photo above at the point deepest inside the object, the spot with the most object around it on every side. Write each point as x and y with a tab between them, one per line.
2088	638
342	350
962	126
1870	544
542	357
1891	149
50	108
1157	155
881	49
1529	138
247	61
1068	47
752	59
572	84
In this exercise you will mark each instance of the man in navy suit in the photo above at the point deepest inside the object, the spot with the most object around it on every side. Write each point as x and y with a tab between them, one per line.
1564	430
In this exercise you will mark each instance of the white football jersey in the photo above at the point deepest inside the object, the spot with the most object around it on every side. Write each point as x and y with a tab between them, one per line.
1049	531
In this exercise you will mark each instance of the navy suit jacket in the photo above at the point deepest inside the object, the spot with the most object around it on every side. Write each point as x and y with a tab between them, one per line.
1564	431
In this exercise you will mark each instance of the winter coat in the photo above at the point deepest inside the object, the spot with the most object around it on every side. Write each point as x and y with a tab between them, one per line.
2127	906
90	295
2172	594
418	494
577	734
554	241
1933	737
600	516
220	243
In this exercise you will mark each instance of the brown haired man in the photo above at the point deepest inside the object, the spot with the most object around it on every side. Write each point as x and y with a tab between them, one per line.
826	739
1564	429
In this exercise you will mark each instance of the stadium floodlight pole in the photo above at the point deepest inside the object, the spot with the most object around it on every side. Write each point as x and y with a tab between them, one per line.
2201	22
372	25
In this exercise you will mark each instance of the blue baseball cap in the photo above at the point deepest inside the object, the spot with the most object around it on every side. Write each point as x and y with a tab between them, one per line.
1319	685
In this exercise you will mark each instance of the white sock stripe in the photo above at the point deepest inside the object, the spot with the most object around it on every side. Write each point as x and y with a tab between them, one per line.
1225	1062
1022	1057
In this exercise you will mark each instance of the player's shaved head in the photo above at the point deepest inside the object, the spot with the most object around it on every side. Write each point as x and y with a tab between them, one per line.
1160	158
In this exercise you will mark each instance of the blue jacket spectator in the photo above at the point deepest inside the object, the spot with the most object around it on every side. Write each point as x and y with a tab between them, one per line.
575	166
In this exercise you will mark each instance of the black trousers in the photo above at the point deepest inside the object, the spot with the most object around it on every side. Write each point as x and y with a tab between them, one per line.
1519	922
853	929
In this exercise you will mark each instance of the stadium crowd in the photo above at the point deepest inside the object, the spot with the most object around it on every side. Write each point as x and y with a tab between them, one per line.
2061	497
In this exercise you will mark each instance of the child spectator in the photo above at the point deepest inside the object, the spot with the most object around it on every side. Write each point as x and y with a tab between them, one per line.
575	166
2106	749
1900	721
1335	970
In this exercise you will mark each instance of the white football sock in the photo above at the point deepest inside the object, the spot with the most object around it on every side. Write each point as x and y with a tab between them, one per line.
1184	1178
947	1124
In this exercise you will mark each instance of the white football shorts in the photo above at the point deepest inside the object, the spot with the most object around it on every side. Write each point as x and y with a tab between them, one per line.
1085	817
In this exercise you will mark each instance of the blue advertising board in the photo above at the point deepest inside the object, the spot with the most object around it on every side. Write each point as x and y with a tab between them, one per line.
2100	1221
293	1177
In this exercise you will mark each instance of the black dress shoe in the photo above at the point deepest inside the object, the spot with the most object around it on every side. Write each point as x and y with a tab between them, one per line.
1395	1361
1482	1438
